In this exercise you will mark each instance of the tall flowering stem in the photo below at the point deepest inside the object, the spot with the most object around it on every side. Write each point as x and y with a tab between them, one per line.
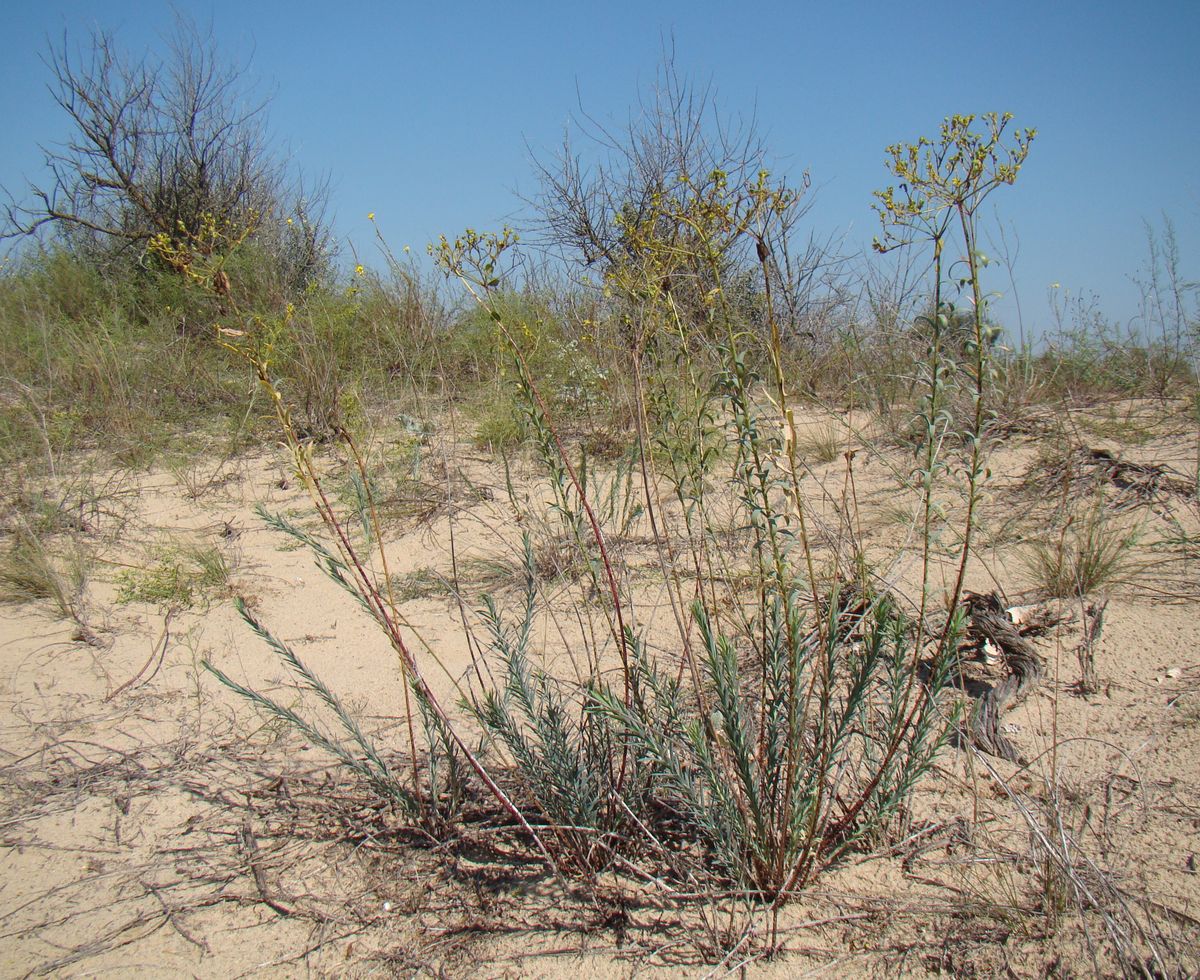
941	186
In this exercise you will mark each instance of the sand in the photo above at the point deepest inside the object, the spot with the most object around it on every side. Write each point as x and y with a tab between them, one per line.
154	823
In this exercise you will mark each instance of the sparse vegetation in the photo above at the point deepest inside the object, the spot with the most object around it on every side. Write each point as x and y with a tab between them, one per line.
31	568
181	575
1090	552
709	656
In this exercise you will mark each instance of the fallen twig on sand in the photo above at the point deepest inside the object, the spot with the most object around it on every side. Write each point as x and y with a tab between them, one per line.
249	846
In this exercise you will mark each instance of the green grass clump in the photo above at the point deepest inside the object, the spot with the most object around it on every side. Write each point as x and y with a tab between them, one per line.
1090	553
420	583
498	425
182	577
30	570
822	444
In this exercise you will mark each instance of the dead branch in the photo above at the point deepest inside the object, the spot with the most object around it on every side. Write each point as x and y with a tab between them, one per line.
1135	483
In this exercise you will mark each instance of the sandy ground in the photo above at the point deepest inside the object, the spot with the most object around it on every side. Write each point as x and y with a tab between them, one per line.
156	824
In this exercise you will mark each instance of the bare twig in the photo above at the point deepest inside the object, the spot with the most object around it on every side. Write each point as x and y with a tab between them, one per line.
249	845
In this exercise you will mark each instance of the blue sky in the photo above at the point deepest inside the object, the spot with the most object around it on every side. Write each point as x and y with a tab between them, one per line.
425	113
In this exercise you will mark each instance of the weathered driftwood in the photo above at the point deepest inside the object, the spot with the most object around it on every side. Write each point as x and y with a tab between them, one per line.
989	621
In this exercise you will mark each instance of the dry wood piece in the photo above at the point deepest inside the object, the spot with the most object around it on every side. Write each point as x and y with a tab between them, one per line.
1040	618
1086	651
990	622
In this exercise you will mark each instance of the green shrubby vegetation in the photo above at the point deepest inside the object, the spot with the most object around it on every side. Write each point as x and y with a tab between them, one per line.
792	688
86	351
